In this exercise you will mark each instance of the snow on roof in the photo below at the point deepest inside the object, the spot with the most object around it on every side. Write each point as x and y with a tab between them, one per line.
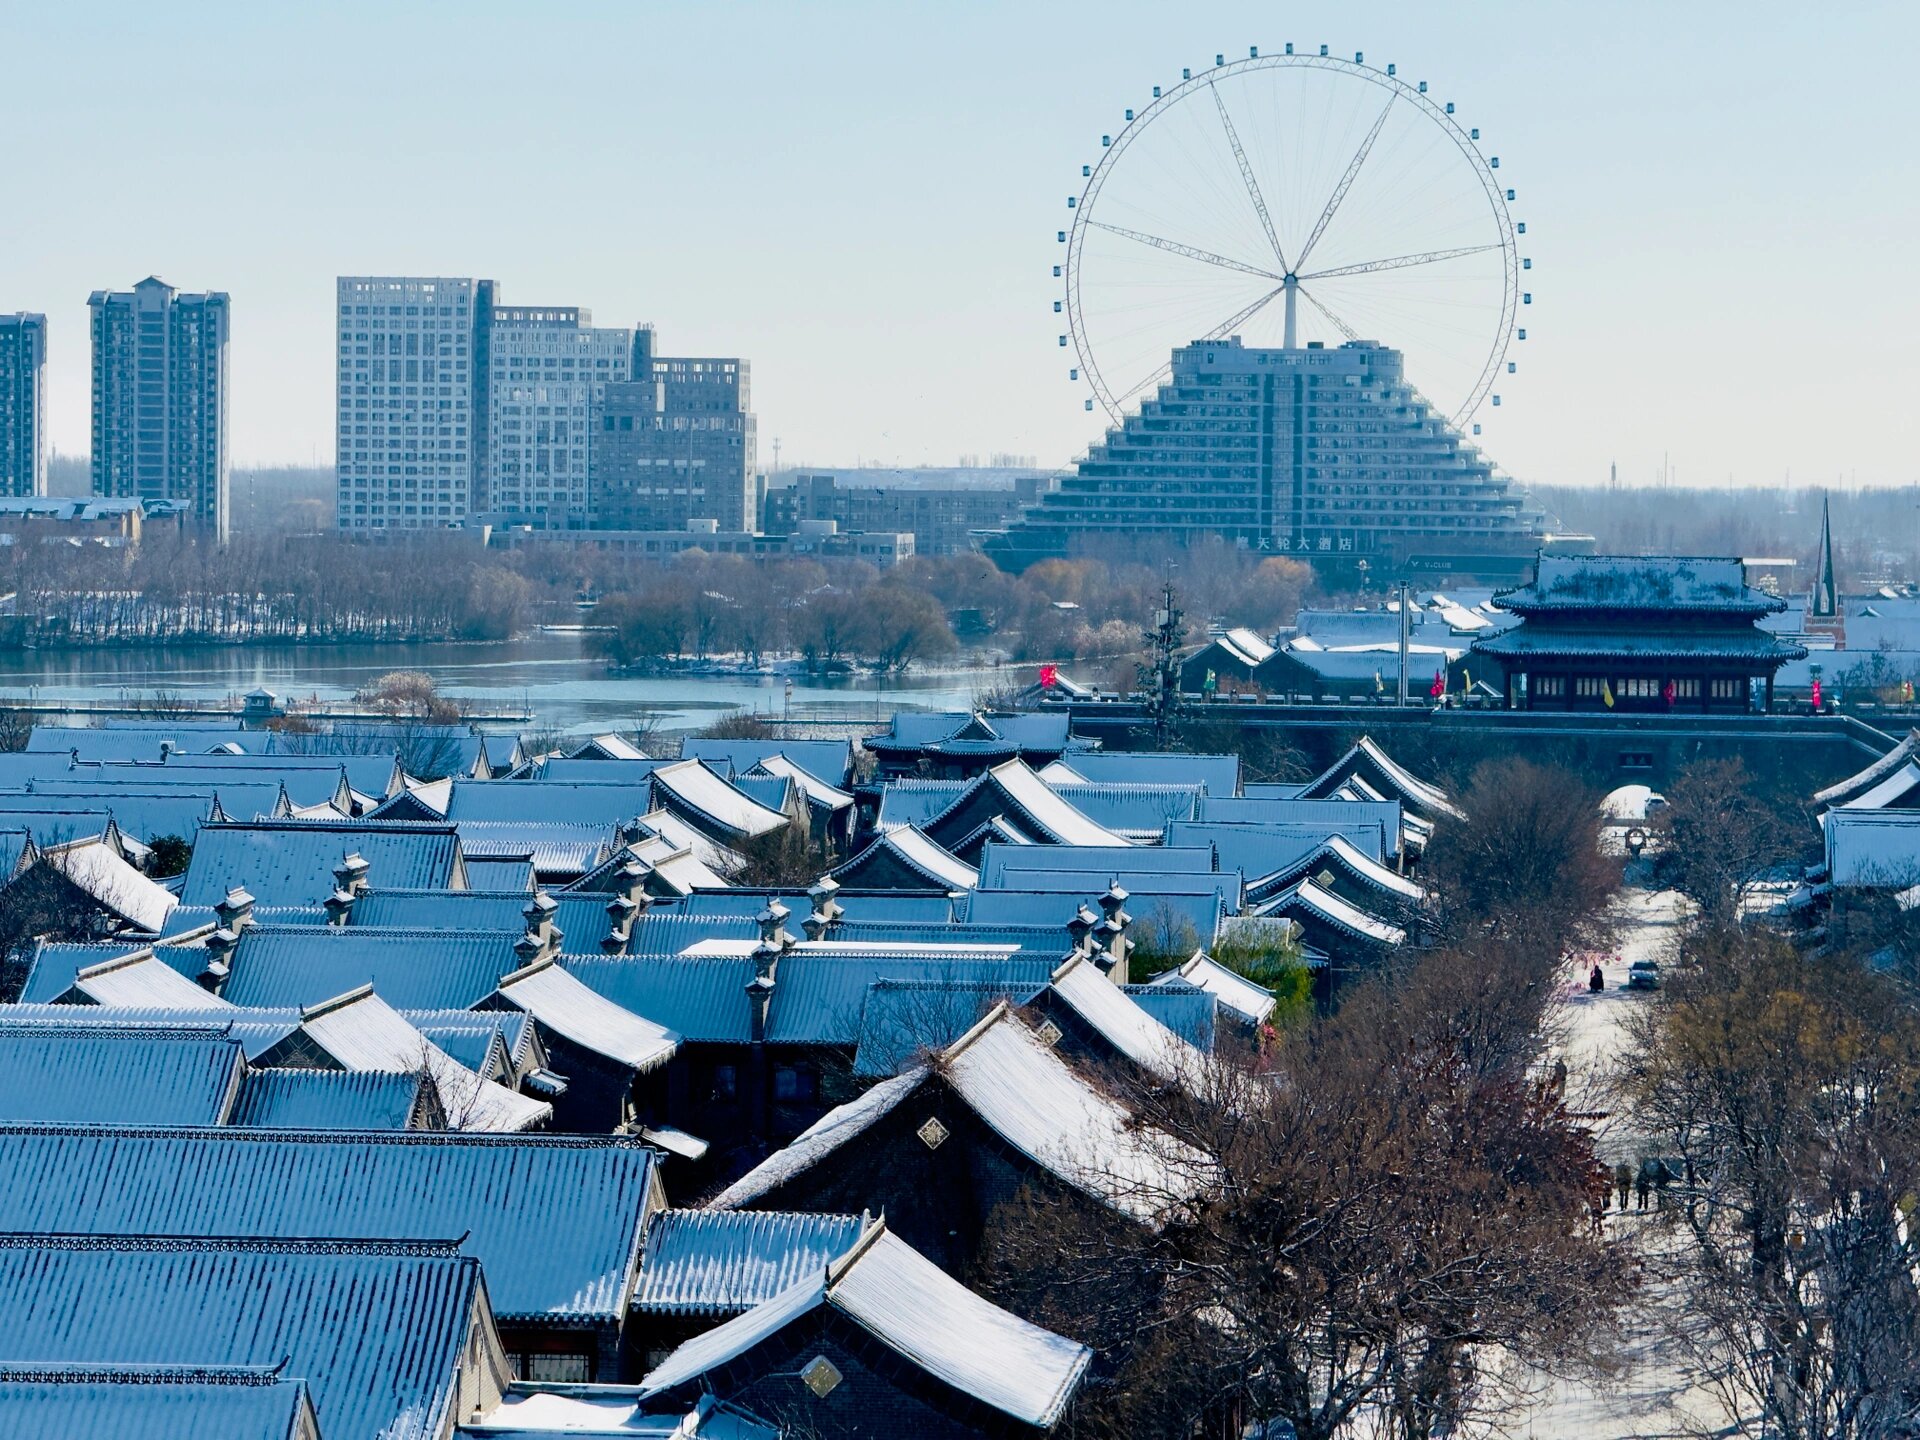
820	1139
1062	823
1232	991
412	969
1873	774
360	1031
1878	849
670	827
180	1075
828	760
692	784
1652	582
111	883
819	997
559	850
609	1412
1246	646
815	789
1058	772
1887	791
291	862
555	1218
515	873
913	848
1129	1029
713	1262
139	979
1410	786
922	1314
1330	907
1340	852
327	1100
44	1401
612	747
576	1013
904	1019
915	802
378	1331
1028	1095
1138	811
702	999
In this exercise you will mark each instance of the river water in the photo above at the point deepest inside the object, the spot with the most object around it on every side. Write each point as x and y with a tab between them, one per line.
549	674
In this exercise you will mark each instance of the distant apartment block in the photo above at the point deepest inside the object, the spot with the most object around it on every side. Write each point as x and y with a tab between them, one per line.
23	381
942	508
452	407
410	441
160	398
549	369
675	444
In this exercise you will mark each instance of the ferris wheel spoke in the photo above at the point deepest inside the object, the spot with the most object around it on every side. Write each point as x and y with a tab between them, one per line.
1174	247
1346	182
1399	262
1225	327
1332	319
1246	175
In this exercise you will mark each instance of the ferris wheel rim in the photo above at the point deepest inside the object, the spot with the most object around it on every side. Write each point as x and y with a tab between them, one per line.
1169	97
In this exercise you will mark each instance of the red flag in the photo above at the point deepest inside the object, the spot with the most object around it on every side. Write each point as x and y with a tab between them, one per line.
1439	684
1049	676
1816	694
1667	693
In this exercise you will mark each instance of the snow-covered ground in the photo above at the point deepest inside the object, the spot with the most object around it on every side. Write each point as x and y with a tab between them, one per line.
1655	1396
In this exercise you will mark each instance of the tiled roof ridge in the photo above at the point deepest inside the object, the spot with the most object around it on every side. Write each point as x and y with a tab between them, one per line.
405	1246
120	1030
122	1372
250	1135
378	827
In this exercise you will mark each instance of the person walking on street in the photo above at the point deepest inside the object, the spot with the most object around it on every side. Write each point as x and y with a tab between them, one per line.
1622	1182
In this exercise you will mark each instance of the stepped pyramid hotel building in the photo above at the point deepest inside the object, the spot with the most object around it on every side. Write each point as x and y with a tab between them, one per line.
1324	455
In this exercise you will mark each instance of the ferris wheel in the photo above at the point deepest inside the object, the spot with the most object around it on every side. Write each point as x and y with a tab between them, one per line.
1292	200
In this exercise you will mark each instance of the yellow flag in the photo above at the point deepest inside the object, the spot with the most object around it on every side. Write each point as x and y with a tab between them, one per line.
1606	693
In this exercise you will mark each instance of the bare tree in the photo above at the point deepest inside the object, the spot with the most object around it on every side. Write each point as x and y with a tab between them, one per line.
1396	1231
1787	1093
1719	838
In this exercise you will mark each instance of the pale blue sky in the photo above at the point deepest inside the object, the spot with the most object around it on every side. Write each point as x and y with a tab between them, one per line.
862	198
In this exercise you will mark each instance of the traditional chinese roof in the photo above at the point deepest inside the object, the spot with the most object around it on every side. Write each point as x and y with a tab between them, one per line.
556	1219
378	1329
328	1100
51	1401
894	1295
291	862
1873	775
1565	584
720	1262
908	848
1234	993
585	1018
1525	642
177	1075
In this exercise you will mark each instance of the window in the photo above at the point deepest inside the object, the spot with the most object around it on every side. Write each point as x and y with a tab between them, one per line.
1729	689
725	1082
1587	686
794	1082
1554	685
551	1369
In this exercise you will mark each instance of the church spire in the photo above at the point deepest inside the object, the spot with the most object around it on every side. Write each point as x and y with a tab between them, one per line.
1826	598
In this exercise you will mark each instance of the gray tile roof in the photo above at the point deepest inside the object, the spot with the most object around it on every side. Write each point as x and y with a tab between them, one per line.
703	999
291	862
819	999
176	1075
555	1219
409	969
720	1262
378	1332
50	1402
327	1100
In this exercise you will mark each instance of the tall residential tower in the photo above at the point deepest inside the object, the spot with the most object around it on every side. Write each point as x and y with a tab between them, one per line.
160	398
23	372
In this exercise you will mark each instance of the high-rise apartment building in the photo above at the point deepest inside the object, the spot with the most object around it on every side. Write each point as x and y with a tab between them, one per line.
675	443
1324	455
452	407
160	398
548	370
23	379
411	400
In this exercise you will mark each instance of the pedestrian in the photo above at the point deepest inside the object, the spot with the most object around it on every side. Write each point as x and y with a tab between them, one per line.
1596	981
1622	1182
1643	1184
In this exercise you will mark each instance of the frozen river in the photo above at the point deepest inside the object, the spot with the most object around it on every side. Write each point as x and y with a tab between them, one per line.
550	674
